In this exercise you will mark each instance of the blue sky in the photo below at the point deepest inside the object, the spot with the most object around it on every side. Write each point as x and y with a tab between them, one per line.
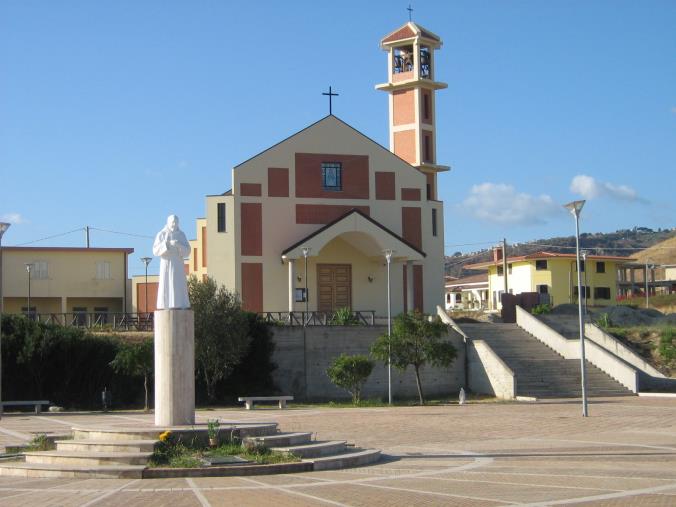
114	114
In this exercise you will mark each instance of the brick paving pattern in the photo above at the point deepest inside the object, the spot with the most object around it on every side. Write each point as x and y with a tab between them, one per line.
481	454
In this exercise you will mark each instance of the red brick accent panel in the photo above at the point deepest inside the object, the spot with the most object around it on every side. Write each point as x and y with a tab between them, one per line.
151	305
411	226
278	182
194	259
252	286
385	186
250	189
403	107
324	213
404	145
410	194
418	287
251	231
426	106
204	247
309	176
186	269
404	32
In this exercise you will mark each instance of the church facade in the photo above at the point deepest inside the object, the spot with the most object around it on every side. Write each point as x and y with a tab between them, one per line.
309	221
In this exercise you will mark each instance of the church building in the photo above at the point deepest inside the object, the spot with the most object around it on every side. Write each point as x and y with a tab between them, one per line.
308	221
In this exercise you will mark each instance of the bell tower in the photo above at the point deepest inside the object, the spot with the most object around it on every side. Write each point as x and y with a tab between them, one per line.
411	87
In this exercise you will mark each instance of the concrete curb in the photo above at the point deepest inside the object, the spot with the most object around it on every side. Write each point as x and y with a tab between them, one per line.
238	470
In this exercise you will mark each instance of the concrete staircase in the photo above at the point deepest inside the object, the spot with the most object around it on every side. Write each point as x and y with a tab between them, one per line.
125	452
540	371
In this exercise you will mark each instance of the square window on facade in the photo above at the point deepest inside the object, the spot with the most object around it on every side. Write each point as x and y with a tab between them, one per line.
501	270
39	270
543	289
600	267
541	265
601	292
509	268
332	176
103	270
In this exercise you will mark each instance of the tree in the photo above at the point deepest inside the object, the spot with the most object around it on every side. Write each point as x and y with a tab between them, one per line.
221	331
415	341
136	359
350	373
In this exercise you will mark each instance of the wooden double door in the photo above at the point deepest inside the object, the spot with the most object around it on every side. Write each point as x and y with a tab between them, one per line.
334	286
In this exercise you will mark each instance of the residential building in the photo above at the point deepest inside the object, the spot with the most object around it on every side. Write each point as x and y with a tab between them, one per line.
64	280
554	276
308	220
467	293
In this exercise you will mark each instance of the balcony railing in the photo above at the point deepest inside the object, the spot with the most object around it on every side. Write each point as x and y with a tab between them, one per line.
358	317
103	321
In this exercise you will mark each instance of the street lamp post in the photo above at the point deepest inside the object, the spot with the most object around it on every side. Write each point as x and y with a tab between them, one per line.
306	252
388	257
3	227
586	296
29	267
647	288
146	261
575	208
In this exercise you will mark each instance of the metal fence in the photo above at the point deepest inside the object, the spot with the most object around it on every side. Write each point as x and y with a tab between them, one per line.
99	320
357	317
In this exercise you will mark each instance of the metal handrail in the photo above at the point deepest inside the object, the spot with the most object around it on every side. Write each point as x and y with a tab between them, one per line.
314	318
98	320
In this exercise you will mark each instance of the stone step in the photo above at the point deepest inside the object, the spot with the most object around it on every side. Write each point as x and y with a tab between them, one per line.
23	469
354	458
105	445
313	450
87	458
281	439
151	433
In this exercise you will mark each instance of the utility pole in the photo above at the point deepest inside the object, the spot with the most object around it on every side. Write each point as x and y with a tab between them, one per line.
87	235
504	263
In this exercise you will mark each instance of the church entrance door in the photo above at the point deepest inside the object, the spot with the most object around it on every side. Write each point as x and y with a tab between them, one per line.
334	286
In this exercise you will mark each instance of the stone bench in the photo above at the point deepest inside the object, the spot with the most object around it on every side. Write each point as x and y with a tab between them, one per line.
249	400
37	403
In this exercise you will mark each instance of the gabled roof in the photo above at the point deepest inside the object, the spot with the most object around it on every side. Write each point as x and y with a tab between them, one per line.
327	118
368	220
408	31
548	255
471	279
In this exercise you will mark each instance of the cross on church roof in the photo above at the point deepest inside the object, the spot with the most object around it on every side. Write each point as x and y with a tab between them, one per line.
330	94
410	12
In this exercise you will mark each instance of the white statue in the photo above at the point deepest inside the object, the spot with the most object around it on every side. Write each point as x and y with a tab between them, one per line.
171	246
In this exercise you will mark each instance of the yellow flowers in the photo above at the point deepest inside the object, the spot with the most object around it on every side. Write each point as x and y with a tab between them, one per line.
165	436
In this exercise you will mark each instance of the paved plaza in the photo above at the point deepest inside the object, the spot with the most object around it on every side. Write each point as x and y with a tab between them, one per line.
478	454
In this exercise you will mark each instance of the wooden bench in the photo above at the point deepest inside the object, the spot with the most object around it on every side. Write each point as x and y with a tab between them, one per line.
249	400
37	403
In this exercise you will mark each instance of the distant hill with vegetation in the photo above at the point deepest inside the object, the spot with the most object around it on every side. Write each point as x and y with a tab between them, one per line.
625	242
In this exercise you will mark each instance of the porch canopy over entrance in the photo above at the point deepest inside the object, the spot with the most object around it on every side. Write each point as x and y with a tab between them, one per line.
362	232
365	235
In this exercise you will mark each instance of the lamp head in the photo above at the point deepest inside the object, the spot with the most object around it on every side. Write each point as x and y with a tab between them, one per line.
146	260
575	207
388	254
305	250
3	227
29	266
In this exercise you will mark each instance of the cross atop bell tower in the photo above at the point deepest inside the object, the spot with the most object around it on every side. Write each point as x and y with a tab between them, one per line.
411	87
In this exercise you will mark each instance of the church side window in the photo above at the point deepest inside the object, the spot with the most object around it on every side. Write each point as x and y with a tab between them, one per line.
332	176
220	208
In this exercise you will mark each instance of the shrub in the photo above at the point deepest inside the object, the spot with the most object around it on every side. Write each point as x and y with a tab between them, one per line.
343	317
604	321
541	309
350	373
667	348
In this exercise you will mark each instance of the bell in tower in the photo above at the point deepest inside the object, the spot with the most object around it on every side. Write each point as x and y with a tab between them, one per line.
411	88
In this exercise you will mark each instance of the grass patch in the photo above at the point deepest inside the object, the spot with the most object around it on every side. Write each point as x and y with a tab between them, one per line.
653	343
40	442
171	453
659	301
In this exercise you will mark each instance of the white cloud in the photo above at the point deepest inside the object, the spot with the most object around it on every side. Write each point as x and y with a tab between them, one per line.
673	109
13	218
502	204
590	188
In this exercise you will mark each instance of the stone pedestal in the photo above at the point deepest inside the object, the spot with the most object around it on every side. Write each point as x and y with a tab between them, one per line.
174	367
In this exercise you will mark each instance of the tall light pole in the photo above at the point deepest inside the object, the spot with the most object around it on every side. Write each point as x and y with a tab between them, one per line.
146	261
306	252
388	257
29	267
3	227
647	288
586	268
575	208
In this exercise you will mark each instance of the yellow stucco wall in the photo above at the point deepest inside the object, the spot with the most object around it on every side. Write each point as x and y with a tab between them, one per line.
560	276
71	279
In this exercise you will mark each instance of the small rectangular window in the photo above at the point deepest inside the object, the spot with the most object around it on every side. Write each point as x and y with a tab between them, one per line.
501	270
543	289
428	148
585	291
541	265
103	270
332	176
601	292
434	222
509	268
220	209
426	106
600	267
581	266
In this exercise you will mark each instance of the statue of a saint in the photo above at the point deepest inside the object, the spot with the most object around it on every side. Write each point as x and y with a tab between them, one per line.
171	246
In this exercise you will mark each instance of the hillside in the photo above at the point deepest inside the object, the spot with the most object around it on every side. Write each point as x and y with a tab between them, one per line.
627	242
